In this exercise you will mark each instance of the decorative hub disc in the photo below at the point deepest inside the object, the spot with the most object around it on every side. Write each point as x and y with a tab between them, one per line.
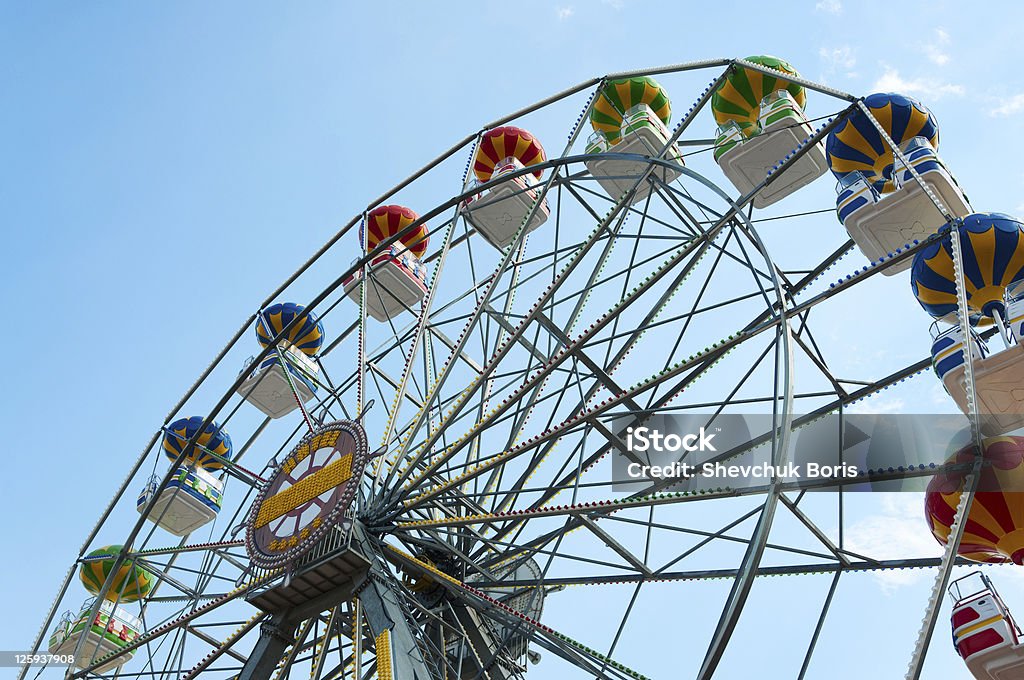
310	493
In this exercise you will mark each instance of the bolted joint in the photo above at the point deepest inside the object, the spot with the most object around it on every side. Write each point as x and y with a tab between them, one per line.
275	631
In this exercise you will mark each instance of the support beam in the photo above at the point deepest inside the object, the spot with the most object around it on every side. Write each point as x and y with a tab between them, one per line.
276	635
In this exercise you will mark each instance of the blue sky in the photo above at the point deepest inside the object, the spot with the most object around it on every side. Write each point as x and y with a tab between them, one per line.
167	165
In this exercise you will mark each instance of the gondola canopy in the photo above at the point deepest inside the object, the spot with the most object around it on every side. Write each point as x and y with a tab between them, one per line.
619	96
131	582
307	335
211	440
856	145
739	97
385	221
993	253
994	531
507	142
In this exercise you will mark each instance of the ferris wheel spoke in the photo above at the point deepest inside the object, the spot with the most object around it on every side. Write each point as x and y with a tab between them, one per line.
806	336
631	563
536	352
812	353
634	267
619	356
221	648
594	329
475	316
422	320
842	555
507	616
625	619
676	199
491	315
797	569
569	267
647	323
692	313
759	277
525	406
573	477
720	535
807	305
495	549
658	401
649	384
577	191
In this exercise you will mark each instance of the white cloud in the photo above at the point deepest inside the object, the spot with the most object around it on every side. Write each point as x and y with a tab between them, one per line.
1009	106
898	531
564	12
936	50
614	4
829	6
930	89
936	55
1006	572
875	406
836	59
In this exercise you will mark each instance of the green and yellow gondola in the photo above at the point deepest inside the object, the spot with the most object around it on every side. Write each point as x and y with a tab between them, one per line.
131	582
739	97
619	96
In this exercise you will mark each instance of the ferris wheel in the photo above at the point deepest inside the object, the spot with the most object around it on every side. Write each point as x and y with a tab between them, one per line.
420	478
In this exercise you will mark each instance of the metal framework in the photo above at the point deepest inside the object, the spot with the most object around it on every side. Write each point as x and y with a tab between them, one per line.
497	404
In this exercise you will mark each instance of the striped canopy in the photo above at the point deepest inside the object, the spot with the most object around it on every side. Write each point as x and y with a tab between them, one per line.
385	221
856	145
212	438
995	525
619	96
507	142
993	250
307	335
131	582
739	96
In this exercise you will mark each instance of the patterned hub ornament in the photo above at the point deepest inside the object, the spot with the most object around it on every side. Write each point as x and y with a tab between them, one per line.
309	493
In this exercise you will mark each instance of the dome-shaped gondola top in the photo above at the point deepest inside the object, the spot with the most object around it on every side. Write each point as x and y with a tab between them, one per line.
211	439
507	142
856	145
385	221
993	254
739	97
995	523
619	96
131	582
307	335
